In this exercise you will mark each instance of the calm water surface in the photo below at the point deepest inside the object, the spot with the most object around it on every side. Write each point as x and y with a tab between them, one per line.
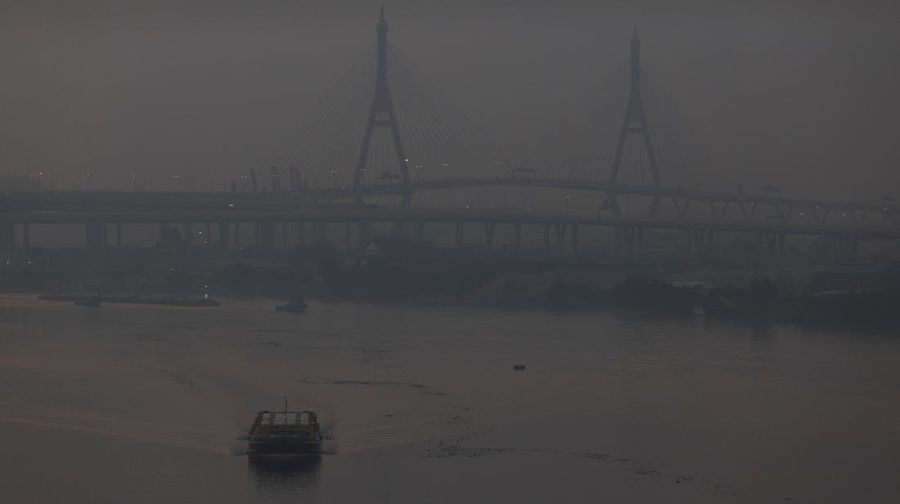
420	404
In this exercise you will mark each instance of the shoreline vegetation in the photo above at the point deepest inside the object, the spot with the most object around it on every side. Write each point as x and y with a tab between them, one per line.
400	271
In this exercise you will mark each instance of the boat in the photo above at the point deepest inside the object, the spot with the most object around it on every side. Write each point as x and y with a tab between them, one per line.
295	306
285	433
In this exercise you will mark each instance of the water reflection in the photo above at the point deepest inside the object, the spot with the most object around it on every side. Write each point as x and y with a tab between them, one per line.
285	474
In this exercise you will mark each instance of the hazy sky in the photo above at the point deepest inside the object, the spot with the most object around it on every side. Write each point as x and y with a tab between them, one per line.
804	96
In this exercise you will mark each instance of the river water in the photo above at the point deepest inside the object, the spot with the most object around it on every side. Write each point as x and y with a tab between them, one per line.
421	404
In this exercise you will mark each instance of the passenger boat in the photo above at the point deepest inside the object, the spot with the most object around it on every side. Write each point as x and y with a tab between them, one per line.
285	432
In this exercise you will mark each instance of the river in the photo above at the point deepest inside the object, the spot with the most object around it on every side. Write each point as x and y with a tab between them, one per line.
145	404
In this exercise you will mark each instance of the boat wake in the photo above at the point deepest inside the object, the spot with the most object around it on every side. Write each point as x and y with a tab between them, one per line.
120	427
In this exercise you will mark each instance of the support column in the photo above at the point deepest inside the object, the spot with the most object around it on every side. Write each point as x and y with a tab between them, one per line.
118	235
95	234
630	240
575	239
347	230
320	232
301	234
284	235
517	235
617	241
7	237
364	231
459	234
561	228
772	242
640	241
420	231
26	236
237	235
223	235
547	236
188	235
489	234
265	235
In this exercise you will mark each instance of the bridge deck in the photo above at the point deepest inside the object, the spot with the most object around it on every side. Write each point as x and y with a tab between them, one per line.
349	213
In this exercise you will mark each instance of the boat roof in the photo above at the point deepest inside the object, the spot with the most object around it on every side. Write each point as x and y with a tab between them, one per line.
285	417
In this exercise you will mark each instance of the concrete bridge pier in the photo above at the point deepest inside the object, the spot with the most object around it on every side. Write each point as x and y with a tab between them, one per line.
301	234
460	234
320	232
845	247
7	237
420	231
629	240
118	235
223	235
265	235
700	242
285	231
398	228
561	229
654	206
547	236
364	232
517	236
771	243
95	235
26	236
237	235
489	234
575	238
187	234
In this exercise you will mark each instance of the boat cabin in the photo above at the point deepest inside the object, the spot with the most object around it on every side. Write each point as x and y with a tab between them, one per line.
269	423
283	418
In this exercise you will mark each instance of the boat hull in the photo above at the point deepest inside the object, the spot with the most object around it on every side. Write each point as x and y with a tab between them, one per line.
284	445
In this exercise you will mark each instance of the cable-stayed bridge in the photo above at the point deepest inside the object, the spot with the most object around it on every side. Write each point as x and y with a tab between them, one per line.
386	138
388	130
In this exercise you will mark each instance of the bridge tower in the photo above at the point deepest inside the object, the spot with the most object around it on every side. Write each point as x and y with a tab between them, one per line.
382	115
635	123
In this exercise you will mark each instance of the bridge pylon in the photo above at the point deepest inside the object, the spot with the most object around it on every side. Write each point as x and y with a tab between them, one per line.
382	115
635	123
